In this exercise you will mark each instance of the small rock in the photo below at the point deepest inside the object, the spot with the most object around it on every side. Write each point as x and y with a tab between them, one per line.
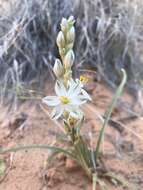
61	157
71	165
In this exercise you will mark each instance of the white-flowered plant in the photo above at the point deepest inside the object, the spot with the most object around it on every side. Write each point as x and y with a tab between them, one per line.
70	93
66	104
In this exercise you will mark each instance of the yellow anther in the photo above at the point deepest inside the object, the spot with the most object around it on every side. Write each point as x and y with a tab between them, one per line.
84	79
64	99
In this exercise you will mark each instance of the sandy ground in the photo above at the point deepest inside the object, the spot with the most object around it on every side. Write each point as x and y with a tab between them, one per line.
28	170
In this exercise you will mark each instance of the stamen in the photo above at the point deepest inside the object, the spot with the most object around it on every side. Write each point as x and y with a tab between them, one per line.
64	99
84	79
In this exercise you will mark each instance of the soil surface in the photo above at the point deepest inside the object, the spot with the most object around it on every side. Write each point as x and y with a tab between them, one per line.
29	170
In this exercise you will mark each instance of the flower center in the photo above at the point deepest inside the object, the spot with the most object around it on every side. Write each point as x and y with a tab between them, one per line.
64	99
83	79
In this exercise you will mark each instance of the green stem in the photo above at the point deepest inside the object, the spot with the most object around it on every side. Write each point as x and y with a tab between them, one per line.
94	181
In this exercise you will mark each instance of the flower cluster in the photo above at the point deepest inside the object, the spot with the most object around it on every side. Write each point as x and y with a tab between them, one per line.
65	42
70	93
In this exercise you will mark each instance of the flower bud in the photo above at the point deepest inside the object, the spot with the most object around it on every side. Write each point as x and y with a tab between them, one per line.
71	35
71	20
60	40
58	68
69	59
64	25
67	75
70	46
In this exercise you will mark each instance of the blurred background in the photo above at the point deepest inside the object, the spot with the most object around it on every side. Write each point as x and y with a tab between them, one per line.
108	38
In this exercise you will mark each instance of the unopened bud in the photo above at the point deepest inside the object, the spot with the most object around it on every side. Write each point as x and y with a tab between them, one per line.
71	20
69	59
64	25
60	40
71	35
70	46
67	75
58	68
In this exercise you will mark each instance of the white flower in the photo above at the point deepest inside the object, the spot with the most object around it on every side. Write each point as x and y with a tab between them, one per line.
67	100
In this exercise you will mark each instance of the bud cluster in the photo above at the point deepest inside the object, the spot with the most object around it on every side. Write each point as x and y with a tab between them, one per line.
65	42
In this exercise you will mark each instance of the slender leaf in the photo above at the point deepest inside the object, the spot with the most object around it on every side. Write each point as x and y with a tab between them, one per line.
109	111
37	146
79	125
103	185
120	179
94	181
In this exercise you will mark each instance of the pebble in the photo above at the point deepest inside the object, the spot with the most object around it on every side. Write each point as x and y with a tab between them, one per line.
71	165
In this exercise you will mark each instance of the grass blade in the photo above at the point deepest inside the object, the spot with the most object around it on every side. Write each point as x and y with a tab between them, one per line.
35	146
102	185
121	180
94	181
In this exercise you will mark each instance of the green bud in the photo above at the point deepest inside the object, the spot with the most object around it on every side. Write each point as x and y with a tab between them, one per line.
58	68
71	35
60	40
69	59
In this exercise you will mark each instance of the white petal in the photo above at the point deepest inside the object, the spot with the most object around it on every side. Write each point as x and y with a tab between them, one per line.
53	113
77	101
51	100
86	95
60	89
74	89
81	84
57	112
76	113
70	107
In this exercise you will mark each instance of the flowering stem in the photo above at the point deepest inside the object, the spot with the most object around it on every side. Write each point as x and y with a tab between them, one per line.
94	181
